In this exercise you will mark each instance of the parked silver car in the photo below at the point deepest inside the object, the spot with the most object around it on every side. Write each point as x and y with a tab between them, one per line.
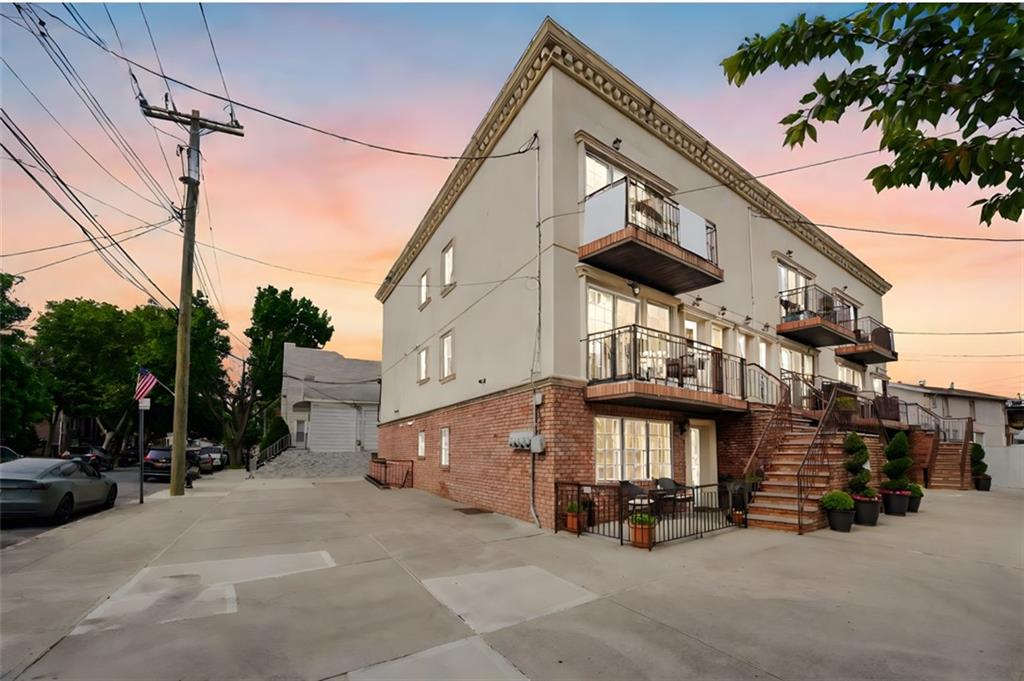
51	488
220	457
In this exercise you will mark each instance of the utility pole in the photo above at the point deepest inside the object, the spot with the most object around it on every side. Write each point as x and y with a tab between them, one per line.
195	124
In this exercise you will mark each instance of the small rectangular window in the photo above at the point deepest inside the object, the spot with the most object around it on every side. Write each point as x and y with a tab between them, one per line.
421	444
445	447
423	373
447	360
424	288
448	265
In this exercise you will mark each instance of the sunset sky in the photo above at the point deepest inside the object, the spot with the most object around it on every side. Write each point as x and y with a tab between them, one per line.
421	77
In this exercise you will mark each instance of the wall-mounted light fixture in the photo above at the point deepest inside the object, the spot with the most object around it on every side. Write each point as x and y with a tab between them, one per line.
482	381
722	311
748	319
617	143
634	287
696	301
766	326
789	254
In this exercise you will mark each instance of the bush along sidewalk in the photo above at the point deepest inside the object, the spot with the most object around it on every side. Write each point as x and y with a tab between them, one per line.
982	480
896	490
865	498
916	494
839	507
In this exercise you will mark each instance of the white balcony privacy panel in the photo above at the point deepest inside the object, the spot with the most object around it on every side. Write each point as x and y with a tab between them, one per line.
693	232
605	212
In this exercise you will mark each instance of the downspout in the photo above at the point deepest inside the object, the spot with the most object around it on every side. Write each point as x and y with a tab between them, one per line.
534	362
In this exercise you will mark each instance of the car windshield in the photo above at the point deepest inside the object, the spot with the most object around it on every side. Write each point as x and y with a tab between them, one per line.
210	450
159	454
80	449
28	466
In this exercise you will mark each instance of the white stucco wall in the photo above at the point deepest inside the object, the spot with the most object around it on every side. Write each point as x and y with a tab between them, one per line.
989	414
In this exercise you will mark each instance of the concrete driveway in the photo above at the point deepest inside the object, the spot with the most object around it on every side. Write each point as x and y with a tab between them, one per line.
304	579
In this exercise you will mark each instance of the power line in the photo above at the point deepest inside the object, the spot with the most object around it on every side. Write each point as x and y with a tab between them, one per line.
285	119
75	243
216	59
147	229
959	333
918	235
156	52
928	354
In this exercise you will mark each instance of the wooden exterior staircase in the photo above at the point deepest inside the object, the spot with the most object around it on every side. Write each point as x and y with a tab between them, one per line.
776	503
951	468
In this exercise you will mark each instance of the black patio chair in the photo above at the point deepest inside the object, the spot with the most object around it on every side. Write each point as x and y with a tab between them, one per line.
634	498
675	496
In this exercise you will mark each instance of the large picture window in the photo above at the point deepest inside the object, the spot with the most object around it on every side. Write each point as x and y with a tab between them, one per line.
632	449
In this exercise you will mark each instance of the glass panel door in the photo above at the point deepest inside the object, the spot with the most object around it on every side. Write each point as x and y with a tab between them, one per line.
634	450
607	454
660	448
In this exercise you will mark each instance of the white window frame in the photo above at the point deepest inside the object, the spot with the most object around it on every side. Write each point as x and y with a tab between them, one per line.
612	172
850	375
446	447
423	365
424	289
791	277
614	459
447	355
421	444
448	266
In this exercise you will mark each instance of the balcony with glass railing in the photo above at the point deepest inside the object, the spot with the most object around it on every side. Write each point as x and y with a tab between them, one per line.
873	343
813	316
633	231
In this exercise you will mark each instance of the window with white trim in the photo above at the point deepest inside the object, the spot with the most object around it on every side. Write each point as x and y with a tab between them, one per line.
421	444
790	277
445	446
850	376
423	372
600	173
632	449
448	265
447	360
796	361
424	288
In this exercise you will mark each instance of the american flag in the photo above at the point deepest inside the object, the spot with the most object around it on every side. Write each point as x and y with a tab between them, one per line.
145	383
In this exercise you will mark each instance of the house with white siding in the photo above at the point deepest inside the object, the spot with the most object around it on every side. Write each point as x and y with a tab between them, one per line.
330	401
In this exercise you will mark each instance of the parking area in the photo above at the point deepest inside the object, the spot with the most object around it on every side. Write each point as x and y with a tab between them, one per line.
333	579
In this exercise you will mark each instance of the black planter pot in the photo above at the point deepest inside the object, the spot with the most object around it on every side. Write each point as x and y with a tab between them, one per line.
895	504
983	484
840	521
915	504
866	511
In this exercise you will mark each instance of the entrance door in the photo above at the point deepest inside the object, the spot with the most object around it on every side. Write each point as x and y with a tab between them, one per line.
702	453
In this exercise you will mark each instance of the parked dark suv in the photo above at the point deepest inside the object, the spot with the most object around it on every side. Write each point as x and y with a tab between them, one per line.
157	464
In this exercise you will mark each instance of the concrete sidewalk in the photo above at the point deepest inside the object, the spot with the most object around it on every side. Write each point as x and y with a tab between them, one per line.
308	579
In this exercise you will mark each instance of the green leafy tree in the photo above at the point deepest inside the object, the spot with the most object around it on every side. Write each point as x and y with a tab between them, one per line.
23	397
914	66
278	317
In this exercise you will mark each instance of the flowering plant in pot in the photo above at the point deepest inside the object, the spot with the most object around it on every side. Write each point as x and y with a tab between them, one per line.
916	494
865	499
575	517
982	480
641	530
896	490
839	507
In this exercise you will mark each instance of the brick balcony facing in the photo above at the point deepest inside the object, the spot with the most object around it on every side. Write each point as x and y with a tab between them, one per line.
636	233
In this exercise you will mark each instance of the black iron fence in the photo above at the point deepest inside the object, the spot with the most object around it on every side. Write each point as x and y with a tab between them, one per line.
638	353
870	330
622	510
812	301
391	472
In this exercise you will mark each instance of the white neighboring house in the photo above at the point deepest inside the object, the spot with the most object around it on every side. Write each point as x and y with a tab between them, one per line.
329	401
988	411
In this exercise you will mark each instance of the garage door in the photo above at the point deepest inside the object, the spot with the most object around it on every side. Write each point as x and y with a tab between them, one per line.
369	429
332	428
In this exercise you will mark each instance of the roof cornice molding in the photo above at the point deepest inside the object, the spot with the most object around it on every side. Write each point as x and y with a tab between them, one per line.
554	46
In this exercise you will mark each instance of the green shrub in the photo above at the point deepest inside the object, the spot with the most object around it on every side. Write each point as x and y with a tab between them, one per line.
574	507
915	490
978	465
856	456
837	500
846	403
642	519
898	463
277	429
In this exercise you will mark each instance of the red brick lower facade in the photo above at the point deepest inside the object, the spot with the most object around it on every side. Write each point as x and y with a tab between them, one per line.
485	472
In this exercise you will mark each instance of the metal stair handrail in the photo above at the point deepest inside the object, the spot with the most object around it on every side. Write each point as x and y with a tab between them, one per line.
271	451
779	422
815	458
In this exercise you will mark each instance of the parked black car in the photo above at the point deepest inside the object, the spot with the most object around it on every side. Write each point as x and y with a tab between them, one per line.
157	464
97	457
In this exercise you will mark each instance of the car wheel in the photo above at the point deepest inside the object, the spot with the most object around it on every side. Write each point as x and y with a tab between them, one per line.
111	497
64	509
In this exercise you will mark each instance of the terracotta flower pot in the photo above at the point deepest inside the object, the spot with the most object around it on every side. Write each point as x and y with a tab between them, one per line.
575	522
641	536
737	517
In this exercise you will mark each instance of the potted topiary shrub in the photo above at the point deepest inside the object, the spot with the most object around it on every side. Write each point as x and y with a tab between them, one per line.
839	507
896	490
982	480
916	494
641	530
865	499
575	517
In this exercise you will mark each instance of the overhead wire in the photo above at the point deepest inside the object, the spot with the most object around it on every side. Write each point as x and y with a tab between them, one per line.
146	230
216	59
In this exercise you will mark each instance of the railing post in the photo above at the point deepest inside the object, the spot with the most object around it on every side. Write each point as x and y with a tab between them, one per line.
634	364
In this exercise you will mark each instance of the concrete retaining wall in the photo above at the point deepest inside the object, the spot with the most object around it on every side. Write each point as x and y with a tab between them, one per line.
1006	466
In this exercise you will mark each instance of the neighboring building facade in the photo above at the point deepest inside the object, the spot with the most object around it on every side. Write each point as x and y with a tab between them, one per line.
669	307
987	411
330	402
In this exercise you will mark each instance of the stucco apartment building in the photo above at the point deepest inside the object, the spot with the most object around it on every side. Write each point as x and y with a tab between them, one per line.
621	289
987	411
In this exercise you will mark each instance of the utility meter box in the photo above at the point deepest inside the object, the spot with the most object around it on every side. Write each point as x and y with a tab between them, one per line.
520	439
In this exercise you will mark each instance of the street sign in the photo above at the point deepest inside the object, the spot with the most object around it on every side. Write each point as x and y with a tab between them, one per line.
144	404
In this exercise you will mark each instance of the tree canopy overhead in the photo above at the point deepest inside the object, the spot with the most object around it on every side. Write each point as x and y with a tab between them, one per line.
912	68
23	398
